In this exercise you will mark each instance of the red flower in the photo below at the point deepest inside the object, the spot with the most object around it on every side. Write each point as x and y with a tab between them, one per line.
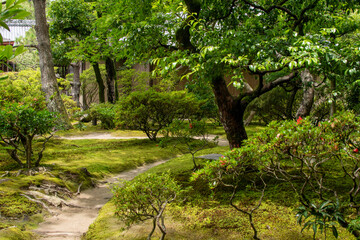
356	150
299	120
190	125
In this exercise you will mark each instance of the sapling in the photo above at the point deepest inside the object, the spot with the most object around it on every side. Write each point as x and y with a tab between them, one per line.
144	198
19	124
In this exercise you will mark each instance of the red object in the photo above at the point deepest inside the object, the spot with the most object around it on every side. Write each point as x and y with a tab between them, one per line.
356	150
299	120
190	125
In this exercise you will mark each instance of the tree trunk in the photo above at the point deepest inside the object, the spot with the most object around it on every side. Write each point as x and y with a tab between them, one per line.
308	94
110	80
250	117
76	83
290	103
48	78
231	113
100	82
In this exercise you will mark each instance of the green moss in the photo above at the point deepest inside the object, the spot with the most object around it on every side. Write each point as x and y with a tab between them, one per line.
14	233
16	206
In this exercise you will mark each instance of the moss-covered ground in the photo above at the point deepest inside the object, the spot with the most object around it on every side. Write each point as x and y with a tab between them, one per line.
207	215
202	215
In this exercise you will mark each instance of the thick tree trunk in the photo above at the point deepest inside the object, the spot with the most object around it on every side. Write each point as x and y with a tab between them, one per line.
308	94
100	82
231	113
110	80
76	83
48	78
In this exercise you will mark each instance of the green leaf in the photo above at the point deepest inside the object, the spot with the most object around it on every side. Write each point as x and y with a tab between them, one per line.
9	3
335	232
4	25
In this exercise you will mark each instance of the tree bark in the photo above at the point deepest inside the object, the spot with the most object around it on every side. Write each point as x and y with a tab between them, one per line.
231	113
110	80
76	83
48	79
100	82
308	94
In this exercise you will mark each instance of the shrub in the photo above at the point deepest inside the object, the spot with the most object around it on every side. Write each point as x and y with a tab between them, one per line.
25	87
19	124
151	111
105	112
320	162
146	197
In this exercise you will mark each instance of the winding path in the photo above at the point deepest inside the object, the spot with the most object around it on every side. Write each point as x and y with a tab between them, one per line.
72	222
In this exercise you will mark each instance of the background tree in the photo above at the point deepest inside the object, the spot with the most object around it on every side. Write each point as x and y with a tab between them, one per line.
69	26
48	78
273	41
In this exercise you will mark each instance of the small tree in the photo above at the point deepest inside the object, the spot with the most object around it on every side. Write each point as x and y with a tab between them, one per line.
152	111
146	197
19	124
192	134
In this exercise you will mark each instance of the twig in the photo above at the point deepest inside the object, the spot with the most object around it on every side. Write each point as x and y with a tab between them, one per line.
78	191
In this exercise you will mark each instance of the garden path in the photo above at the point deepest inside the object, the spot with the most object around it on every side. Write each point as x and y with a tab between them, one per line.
72	222
221	142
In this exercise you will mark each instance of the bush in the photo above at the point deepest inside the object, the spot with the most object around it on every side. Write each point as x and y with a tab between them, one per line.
19	124
146	197
105	112
320	162
24	87
151	111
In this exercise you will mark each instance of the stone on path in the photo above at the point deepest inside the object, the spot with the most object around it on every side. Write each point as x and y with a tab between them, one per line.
211	156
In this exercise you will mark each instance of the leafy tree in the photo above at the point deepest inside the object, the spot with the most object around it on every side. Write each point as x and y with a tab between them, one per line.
273	40
152	111
146	197
89	85
70	25
19	124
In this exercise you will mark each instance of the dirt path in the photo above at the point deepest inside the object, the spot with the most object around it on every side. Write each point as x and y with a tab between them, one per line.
221	142
72	222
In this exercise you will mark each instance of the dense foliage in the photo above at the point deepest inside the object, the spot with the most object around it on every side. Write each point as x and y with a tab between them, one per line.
151	111
319	162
